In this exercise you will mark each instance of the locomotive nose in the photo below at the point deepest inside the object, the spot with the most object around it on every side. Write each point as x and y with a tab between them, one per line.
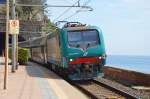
86	67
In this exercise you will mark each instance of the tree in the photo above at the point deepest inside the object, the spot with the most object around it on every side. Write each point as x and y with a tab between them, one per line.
30	12
49	27
27	12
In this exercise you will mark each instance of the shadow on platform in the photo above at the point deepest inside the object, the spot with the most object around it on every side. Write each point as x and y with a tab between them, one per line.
35	70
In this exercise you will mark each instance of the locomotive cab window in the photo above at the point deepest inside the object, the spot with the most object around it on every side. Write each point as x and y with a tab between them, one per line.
88	38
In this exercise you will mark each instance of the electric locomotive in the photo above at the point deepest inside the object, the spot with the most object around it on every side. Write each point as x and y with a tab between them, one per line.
77	51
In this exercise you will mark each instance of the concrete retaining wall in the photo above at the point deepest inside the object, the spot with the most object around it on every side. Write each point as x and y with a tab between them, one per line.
126	76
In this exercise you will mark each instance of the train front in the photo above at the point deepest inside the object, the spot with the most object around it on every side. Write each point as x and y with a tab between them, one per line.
85	52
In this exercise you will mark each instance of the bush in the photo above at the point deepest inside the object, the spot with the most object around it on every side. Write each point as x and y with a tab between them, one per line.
23	55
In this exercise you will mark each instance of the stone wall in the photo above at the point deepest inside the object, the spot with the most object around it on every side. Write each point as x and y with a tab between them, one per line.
126	76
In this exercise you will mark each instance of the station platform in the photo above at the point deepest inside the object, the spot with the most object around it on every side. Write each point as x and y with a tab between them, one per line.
2	61
36	82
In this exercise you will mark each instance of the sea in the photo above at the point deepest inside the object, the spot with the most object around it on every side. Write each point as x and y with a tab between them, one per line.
127	62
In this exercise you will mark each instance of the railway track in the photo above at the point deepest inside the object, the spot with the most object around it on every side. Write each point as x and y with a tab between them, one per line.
106	89
102	88
121	89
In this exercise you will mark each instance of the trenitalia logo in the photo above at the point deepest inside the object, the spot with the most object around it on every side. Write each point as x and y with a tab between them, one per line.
2	1
85	54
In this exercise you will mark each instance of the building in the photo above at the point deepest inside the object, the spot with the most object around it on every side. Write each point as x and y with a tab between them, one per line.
2	34
30	19
28	30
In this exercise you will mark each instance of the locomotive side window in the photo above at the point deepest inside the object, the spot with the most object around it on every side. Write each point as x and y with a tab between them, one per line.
83	38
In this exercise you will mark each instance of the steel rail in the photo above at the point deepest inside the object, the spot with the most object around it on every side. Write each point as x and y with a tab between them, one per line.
118	88
85	91
89	93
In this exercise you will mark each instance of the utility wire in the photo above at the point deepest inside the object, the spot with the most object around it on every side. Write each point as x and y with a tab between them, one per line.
77	11
71	16
65	11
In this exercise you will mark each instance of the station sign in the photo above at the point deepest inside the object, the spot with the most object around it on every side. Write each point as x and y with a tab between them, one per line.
13	27
2	1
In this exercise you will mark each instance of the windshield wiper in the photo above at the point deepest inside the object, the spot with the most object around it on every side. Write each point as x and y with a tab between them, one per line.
88	45
78	45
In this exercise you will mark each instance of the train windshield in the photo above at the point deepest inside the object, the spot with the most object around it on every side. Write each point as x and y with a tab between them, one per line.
83	38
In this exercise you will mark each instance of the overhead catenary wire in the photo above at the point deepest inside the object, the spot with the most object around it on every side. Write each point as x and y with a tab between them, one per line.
86	2
71	16
77	11
65	11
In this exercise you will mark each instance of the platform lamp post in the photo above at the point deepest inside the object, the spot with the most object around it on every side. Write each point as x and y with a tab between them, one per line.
6	45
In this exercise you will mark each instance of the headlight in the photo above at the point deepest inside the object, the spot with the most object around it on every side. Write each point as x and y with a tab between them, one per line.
71	60
100	57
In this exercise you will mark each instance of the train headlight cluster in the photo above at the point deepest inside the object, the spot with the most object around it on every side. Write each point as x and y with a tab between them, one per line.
71	60
103	56
100	57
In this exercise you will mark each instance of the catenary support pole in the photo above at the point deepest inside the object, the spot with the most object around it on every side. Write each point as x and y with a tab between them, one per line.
13	38
6	45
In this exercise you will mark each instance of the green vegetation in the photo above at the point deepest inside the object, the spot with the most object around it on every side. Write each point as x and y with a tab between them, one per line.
23	55
49	27
33	13
27	12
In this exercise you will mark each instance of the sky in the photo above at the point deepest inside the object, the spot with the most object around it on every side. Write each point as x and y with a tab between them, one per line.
125	23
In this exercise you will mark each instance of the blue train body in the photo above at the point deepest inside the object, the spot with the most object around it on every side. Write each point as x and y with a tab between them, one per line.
77	51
